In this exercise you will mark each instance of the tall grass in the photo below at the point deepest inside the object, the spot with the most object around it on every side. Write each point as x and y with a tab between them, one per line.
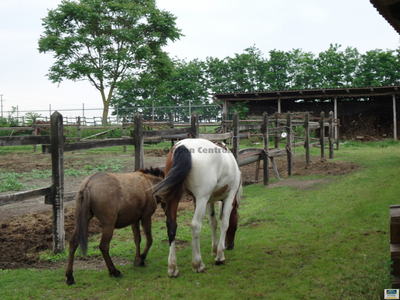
327	241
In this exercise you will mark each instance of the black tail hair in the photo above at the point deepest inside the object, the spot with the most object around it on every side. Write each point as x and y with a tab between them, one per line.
181	166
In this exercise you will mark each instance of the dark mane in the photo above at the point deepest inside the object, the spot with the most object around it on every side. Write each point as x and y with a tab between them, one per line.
153	171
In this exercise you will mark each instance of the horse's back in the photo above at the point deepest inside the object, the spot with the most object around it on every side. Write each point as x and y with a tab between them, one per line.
214	168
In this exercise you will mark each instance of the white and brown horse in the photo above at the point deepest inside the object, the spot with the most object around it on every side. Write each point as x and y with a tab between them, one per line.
117	200
209	173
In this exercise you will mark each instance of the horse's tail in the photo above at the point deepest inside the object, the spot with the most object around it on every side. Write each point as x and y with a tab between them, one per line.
82	213
181	166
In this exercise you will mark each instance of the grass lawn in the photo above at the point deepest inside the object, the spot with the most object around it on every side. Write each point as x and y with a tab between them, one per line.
328	241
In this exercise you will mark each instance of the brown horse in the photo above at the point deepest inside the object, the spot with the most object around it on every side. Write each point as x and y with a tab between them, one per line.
117	200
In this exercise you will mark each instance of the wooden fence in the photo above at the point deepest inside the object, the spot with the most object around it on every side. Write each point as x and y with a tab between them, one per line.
56	144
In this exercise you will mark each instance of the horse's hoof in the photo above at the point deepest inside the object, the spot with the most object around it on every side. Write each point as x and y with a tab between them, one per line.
117	274
230	246
219	262
70	280
175	273
139	262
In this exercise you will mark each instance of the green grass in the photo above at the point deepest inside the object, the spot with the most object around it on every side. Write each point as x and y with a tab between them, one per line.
329	241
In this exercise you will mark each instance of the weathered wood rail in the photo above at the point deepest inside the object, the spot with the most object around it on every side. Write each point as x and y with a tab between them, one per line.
56	145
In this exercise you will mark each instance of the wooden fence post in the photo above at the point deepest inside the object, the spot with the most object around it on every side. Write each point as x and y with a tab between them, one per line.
322	134
223	124
57	189
235	138
307	140
34	133
266	147
194	125
79	129
331	135
289	143
277	133
138	141
124	132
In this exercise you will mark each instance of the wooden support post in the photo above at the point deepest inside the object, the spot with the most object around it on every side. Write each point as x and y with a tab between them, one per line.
257	177
394	118
331	135
34	133
307	141
289	143
194	125
322	134
171	119
79	129
277	133
124	132
235	139
138	141
57	189
223	124
264	128
335	115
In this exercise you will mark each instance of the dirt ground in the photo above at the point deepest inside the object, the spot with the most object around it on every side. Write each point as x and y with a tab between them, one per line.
26	228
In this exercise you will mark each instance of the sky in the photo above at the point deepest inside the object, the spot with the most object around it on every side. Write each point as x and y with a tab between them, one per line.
217	28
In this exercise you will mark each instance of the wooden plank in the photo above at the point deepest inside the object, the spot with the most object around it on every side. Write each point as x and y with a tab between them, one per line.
394	233
216	136
161	133
396	282
249	127
322	134
396	267
22	196
394	251
24	140
307	138
92	144
97	134
138	139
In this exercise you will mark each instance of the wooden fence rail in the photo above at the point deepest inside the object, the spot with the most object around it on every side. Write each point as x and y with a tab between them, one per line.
56	145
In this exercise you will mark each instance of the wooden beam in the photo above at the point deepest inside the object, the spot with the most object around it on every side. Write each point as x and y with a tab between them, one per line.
22	196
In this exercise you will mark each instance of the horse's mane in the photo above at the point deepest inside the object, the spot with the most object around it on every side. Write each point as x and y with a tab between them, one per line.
153	171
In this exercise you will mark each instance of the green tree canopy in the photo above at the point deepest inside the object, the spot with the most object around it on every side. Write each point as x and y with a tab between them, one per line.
105	41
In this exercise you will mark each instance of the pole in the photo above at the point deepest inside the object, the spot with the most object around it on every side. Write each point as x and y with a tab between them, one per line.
2	105
394	118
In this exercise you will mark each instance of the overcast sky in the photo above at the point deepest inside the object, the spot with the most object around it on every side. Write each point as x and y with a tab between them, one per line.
217	28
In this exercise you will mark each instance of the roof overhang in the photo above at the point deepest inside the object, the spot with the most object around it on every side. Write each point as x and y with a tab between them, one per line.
390	10
308	94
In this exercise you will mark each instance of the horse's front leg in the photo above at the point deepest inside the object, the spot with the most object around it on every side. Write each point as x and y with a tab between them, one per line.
172	227
213	225
200	211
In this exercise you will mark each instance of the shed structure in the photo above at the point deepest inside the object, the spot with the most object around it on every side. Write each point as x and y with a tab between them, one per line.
342	101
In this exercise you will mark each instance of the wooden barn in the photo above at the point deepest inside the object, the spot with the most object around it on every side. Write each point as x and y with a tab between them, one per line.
344	102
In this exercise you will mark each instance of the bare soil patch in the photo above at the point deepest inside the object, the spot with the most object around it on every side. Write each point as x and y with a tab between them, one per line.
26	228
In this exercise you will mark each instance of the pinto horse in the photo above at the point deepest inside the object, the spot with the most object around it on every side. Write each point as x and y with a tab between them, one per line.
209	173
117	200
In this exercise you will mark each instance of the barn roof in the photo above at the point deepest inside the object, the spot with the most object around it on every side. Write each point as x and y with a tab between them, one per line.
328	93
390	10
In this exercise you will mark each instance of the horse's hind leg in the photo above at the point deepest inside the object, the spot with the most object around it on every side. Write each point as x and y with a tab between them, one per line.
213	225
105	247
73	245
233	223
200	211
137	238
227	208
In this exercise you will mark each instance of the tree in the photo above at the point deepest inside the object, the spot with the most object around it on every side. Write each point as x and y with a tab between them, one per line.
105	41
